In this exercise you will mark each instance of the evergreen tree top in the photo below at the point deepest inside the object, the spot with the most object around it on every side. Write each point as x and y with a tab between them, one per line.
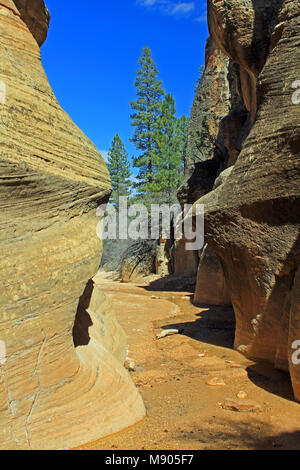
149	88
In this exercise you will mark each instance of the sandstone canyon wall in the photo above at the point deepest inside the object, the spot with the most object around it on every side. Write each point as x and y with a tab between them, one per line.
62	381
253	210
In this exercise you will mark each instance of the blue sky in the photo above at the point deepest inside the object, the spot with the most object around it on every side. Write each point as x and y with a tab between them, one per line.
92	51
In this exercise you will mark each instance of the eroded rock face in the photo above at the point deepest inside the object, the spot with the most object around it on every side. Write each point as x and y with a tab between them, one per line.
242	29
252	222
58	388
36	16
185	262
219	125
206	152
211	285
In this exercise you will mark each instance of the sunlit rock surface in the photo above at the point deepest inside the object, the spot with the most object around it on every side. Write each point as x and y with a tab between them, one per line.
62	381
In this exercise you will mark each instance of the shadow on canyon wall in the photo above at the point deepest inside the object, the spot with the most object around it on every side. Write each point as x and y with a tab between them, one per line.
83	320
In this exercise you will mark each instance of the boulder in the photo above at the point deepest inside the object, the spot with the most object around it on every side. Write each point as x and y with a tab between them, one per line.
138	260
222	177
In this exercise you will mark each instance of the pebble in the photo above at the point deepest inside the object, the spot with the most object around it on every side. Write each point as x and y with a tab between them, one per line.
240	405
129	364
216	381
242	395
165	333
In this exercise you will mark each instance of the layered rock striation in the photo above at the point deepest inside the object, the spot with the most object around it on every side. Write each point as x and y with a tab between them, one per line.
62	381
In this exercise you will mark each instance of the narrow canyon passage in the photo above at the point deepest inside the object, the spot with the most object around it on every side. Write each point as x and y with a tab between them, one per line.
189	381
200	188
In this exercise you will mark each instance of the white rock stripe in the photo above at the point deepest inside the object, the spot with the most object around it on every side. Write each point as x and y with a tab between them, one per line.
2	353
2	92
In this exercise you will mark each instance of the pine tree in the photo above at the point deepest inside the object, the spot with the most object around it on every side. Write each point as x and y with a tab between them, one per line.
199	77
171	140
119	169
146	111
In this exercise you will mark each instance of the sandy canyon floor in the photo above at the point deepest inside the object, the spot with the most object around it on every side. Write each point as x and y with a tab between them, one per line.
189	380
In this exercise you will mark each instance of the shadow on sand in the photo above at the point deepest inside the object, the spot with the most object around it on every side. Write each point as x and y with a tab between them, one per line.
216	326
172	284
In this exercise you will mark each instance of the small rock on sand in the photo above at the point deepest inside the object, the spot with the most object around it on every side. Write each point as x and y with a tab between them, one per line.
165	333
240	405
215	381
242	395
129	364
